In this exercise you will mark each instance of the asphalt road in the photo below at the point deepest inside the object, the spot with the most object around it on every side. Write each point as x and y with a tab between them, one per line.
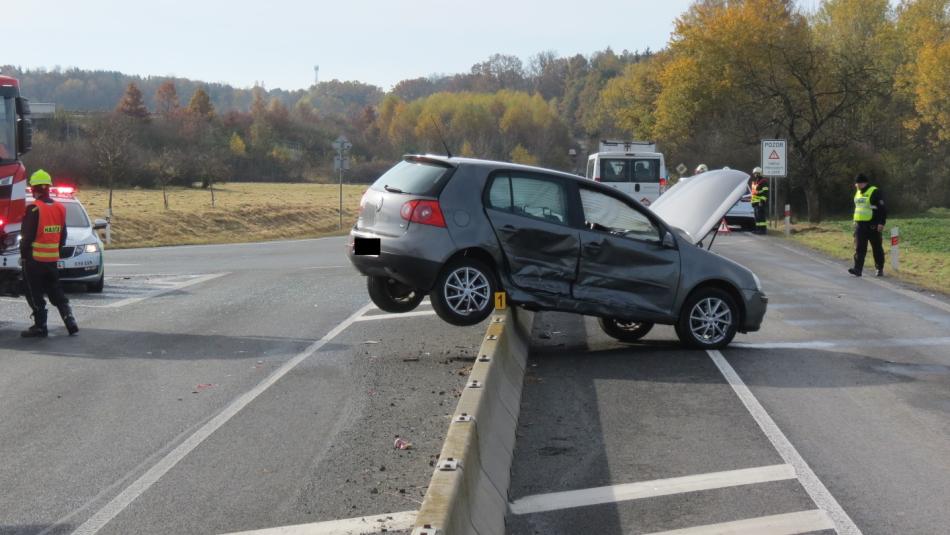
204	395
215	389
853	375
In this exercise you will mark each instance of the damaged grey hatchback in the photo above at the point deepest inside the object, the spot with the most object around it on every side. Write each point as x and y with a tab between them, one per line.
459	230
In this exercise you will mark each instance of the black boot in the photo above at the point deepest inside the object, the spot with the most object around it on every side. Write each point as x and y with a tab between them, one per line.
38	329
68	319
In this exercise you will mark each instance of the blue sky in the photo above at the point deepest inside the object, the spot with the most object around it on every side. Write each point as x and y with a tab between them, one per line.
279	41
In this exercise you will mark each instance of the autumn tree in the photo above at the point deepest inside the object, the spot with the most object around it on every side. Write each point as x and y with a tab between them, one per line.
200	107
132	104
166	99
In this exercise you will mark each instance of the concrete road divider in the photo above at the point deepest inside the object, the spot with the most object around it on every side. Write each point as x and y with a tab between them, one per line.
468	493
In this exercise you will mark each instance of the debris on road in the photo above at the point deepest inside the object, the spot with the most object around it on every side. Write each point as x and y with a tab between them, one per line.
202	387
371	341
411	359
401	444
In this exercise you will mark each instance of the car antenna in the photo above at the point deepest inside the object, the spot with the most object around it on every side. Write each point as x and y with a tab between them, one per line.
448	153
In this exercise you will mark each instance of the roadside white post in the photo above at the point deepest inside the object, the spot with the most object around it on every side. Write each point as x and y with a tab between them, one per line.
788	220
895	250
109	228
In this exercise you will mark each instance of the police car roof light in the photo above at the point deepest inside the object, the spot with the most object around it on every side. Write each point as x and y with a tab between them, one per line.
62	191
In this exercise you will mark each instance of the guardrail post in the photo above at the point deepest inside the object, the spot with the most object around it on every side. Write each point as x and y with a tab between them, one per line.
788	220
895	250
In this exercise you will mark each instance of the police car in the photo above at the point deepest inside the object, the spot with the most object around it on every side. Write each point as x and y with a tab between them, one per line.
81	259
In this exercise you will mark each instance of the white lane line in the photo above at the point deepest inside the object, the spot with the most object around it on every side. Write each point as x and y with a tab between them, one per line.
102	517
813	486
786	524
163	291
861	342
350	526
554	501
108	264
395	316
936	303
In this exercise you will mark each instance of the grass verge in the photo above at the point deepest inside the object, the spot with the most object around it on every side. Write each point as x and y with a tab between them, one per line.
924	246
243	212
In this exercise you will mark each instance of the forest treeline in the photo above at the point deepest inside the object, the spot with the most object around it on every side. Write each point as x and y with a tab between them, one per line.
854	86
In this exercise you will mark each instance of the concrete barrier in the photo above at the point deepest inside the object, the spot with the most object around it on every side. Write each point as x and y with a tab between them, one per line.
468	493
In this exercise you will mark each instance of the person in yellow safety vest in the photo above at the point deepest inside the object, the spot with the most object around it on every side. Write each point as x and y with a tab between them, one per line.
870	216
42	235
759	198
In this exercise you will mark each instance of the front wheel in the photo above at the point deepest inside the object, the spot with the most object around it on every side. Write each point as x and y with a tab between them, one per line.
625	331
463	294
391	295
96	287
709	319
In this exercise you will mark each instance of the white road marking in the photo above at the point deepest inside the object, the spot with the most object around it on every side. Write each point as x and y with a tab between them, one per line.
421	303
350	526
323	267
109	264
102	517
936	303
859	342
812	485
168	289
648	489
824	321
786	524
395	316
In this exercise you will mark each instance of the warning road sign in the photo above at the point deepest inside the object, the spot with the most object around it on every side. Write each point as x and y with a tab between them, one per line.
774	162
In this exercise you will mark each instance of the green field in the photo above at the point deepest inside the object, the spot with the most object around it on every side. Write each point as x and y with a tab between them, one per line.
924	246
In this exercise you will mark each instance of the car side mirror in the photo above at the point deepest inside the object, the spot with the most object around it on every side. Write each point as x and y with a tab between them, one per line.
668	241
100	224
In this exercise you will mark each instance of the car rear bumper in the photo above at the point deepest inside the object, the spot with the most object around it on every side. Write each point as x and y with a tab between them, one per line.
400	259
756	303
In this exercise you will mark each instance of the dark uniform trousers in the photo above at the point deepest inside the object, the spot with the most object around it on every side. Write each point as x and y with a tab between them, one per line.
864	232
42	278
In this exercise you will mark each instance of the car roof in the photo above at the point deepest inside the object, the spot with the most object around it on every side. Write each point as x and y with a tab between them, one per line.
456	161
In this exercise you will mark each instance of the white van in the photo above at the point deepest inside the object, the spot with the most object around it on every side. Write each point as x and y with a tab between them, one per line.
633	167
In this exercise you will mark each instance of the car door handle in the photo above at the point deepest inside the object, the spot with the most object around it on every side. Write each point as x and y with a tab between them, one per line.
508	227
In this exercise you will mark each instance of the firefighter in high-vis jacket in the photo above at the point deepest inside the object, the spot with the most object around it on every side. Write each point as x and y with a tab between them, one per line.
42	234
759	198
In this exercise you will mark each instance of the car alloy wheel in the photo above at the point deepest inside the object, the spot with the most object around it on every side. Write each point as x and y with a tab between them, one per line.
710	320
467	290
464	292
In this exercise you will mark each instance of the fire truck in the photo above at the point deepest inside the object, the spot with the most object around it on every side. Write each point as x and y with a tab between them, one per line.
16	139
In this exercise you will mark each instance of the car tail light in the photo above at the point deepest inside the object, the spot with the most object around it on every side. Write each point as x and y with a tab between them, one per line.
425	212
663	183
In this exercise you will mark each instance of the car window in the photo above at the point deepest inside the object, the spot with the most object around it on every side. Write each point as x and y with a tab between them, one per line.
630	170
529	196
413	177
499	195
609	214
539	198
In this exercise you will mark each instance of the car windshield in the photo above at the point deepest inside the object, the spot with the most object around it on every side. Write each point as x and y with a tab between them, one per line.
7	129
75	215
413	177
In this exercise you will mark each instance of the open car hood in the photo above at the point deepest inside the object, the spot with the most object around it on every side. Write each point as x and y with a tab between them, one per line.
697	205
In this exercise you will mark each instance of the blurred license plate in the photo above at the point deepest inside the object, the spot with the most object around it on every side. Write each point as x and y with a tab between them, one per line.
60	265
366	246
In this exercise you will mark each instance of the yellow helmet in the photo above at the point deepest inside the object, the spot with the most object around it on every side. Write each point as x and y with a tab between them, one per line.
41	178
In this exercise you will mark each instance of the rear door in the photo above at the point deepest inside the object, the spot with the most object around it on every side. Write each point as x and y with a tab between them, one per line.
623	263
531	216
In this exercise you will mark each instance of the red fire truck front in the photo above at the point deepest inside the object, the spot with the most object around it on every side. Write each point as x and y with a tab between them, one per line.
16	139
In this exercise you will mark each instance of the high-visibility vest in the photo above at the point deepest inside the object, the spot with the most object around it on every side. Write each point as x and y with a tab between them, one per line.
48	231
758	193
862	204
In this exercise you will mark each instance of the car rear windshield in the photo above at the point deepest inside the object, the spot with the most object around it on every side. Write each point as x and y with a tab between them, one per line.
629	170
413	177
75	215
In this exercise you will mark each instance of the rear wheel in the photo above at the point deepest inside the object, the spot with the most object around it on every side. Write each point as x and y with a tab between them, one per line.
391	295
709	319
625	331
463	294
